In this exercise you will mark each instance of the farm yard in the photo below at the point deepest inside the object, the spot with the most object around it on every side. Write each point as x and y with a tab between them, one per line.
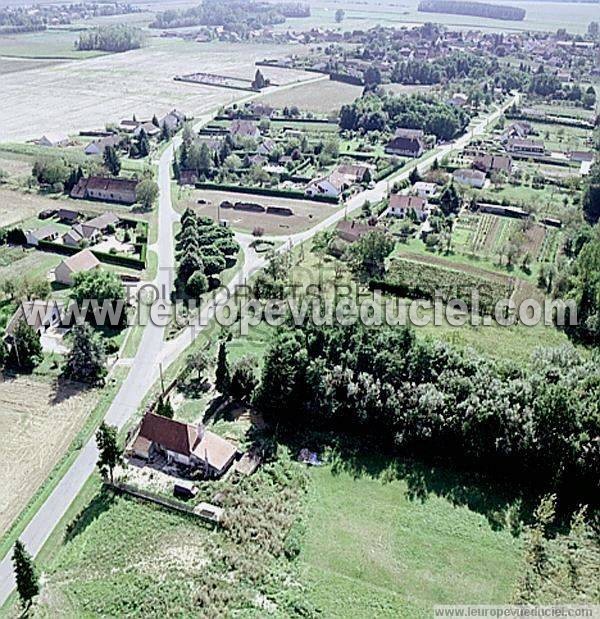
305	212
38	420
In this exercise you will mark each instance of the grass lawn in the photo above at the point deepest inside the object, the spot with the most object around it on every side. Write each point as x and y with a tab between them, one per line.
374	550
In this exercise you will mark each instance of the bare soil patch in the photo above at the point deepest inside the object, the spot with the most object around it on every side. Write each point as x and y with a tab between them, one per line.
306	213
38	422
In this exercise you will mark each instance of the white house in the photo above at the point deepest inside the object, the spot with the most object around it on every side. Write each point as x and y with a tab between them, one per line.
466	176
425	190
401	206
53	140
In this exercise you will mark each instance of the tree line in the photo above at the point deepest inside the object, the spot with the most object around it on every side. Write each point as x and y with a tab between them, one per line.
410	395
477	9
384	112
113	38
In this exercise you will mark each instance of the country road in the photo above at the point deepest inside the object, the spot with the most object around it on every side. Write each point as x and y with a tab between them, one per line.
153	349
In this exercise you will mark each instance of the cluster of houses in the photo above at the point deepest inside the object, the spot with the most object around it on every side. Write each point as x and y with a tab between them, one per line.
81	232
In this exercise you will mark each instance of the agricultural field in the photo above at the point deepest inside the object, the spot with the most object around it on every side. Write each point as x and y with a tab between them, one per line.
38	420
139	81
387	541
320	97
306	213
52	44
20	65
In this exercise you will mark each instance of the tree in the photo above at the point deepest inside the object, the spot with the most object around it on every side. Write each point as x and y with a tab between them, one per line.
26	576
110	451
112	161
591	195
222	374
197	284
189	265
164	408
367	255
339	16
146	193
103	289
593	30
143	144
589	98
26	352
259	81
449	200
243	379
414	176
87	359
197	362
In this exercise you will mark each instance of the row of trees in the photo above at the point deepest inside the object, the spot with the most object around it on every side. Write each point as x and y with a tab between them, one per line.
540	422
113	38
204	249
381	112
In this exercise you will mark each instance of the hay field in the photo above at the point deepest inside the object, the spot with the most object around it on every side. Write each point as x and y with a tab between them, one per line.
89	93
320	97
38	421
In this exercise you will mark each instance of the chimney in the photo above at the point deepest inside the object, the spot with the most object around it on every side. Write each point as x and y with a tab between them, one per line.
200	431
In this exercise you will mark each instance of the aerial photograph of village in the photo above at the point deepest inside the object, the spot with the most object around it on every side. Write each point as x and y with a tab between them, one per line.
299	308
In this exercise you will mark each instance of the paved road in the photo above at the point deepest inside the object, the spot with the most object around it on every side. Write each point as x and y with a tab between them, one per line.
140	378
153	348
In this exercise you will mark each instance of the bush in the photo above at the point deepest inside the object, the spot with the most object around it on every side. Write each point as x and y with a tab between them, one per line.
197	284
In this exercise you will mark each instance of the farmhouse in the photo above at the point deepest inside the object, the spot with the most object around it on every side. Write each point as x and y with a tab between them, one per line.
351	230
581	156
47	233
119	190
407	146
78	263
53	140
492	163
67	215
97	147
182	443
332	185
525	147
240	128
474	178
173	120
401	205
403	132
90	230
354	171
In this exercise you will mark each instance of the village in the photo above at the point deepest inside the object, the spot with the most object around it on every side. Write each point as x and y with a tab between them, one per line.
260	465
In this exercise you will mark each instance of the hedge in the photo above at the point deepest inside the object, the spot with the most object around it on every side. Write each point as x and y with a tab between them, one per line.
65	250
266	191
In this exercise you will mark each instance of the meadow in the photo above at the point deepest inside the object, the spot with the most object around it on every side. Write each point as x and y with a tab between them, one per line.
385	540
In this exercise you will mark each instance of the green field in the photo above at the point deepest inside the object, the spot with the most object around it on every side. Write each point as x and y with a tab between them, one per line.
378	548
51	44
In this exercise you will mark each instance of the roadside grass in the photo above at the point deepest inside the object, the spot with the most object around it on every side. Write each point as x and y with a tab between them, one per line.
91	423
380	545
115	556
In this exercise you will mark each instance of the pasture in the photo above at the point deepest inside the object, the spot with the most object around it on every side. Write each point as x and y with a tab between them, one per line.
385	540
38	421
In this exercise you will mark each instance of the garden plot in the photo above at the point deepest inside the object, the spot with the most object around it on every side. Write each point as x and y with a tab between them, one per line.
38	422
305	212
